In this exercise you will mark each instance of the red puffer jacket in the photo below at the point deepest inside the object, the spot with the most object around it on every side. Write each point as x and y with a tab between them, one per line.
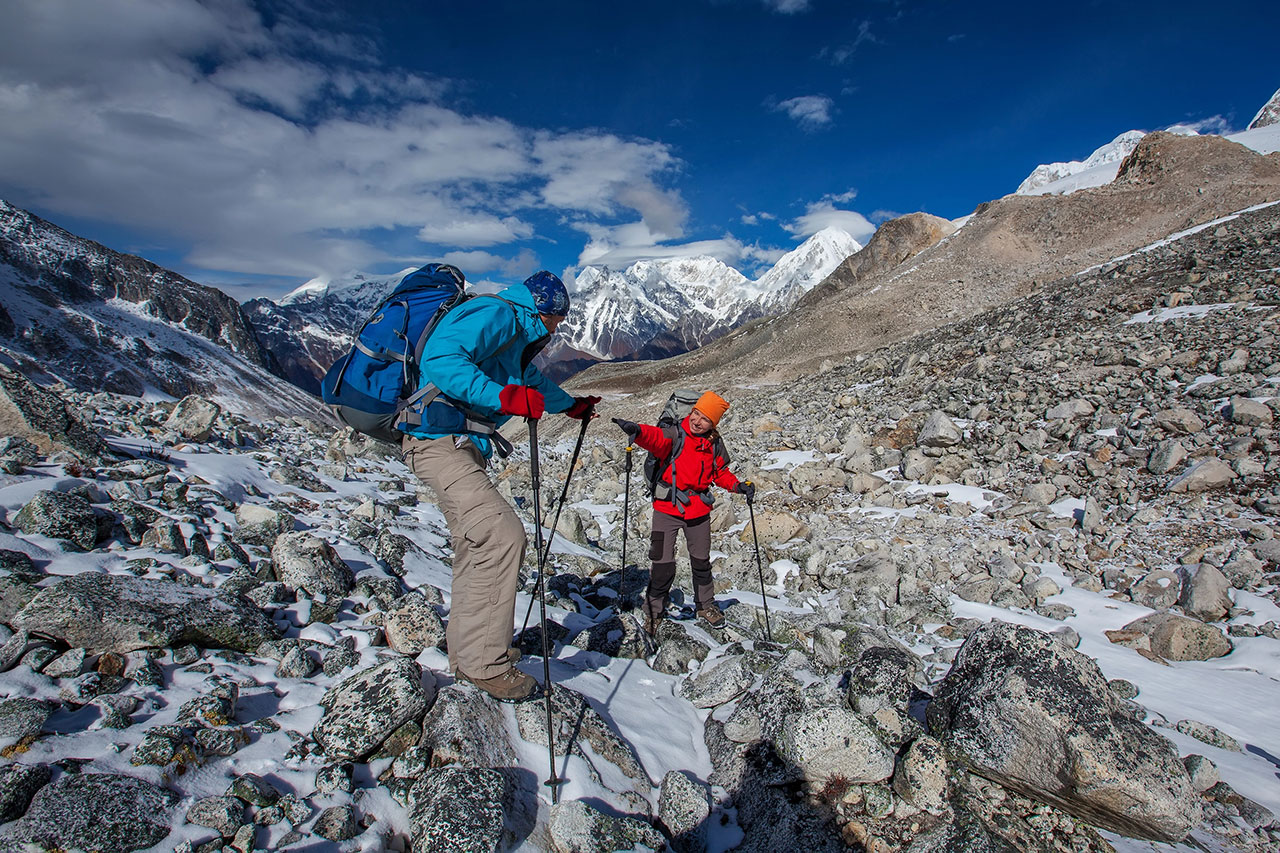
691	474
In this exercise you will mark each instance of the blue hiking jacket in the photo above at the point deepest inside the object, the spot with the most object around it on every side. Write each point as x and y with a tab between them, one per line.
479	348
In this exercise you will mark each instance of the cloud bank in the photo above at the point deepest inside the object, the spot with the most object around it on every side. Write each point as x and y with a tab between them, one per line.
282	149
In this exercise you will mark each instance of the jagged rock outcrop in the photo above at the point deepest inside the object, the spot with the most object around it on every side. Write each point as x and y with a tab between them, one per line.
43	418
1269	114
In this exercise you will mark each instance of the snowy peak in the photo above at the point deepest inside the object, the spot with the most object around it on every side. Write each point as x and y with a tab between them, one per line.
1269	114
1100	165
657	308
800	270
355	289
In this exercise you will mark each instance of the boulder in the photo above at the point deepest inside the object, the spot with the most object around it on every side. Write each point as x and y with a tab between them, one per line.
1247	412
620	636
413	626
59	515
260	525
458	809
193	418
1070	410
120	613
684	807
775	527
1020	709
939	431
18	784
921	775
309	563
1166	456
103	812
21	719
1205	593
43	418
366	708
718	682
1179	421
1175	637
576	827
1204	475
834	743
1158	590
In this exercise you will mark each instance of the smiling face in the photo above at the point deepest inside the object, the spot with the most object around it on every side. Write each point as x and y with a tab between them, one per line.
699	424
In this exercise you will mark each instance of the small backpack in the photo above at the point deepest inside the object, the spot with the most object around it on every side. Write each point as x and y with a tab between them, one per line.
678	407
374	389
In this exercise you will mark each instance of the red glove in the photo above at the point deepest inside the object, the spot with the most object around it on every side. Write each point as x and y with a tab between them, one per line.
582	408
522	401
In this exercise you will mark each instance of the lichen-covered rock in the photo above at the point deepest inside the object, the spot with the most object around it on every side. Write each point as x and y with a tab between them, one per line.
921	775
883	677
460	729
260	525
620	636
1175	637
413	626
832	742
60	515
337	823
457	809
306	562
1038	718
193	418
221	814
95	811
366	708
120	613
576	827
21	719
579	725
676	650
719	682
12	649
18	784
684	806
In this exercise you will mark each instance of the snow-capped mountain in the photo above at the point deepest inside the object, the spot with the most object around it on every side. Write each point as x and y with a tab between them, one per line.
655	309
652	309
77	312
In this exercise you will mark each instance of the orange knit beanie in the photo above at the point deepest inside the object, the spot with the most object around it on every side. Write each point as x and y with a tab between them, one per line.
712	405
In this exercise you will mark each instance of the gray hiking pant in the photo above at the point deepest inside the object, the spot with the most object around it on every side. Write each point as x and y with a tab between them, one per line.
488	548
662	551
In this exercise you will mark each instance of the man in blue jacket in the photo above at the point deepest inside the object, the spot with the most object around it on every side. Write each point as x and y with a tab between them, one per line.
480	357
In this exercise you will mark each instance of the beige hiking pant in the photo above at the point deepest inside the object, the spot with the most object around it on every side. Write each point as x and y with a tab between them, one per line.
488	548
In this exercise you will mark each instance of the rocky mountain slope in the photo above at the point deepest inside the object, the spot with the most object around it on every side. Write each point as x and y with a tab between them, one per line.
96	319
1022	595
1007	249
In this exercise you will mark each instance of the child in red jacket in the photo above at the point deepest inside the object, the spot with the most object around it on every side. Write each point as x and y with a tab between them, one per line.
692	458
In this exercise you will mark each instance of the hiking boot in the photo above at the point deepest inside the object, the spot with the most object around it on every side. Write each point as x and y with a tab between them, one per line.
712	616
513	656
651	623
511	686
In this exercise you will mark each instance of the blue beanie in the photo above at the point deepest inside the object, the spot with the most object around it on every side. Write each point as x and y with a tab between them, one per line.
549	294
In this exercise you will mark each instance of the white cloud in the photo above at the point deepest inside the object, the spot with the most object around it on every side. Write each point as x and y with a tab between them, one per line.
787	7
840	54
1212	125
824	214
750	219
476	231
811	112
473	263
620	246
282	149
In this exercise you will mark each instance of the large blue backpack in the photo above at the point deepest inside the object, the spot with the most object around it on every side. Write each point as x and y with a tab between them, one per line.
374	389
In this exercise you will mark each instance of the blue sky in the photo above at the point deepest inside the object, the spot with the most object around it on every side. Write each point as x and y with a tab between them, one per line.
254	145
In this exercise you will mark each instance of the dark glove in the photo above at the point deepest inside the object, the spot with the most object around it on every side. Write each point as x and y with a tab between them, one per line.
747	490
630	428
582	408
522	401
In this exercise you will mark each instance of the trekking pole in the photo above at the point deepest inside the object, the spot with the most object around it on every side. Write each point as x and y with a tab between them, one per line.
626	514
564	494
553	782
759	569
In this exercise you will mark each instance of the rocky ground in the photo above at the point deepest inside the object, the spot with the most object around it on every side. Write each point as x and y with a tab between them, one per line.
1022	595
